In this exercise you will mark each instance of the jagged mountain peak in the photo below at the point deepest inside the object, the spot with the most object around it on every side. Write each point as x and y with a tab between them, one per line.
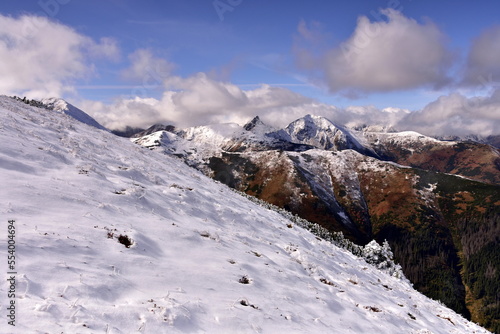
253	123
258	128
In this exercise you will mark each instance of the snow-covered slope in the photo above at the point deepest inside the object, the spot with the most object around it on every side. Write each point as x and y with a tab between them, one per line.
60	105
202	259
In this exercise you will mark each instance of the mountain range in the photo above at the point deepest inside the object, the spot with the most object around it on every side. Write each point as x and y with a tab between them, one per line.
115	238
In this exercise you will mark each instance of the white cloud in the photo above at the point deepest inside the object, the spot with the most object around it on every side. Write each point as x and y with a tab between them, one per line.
40	57
200	95
449	115
392	55
199	100
456	114
361	116
135	112
483	66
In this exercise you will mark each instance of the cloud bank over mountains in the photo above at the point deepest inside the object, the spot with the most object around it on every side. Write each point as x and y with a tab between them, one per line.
450	115
43	58
458	115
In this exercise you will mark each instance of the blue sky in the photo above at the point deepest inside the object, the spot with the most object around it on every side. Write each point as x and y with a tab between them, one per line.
297	46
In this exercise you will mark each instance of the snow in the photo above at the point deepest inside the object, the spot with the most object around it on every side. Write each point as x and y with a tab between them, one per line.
73	190
212	138
215	134
322	133
314	130
62	106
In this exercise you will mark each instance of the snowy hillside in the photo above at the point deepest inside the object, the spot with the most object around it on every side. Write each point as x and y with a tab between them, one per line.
201	260
60	105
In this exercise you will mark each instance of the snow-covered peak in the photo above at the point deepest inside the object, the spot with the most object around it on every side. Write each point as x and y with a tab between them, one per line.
321	133
310	126
60	105
312	130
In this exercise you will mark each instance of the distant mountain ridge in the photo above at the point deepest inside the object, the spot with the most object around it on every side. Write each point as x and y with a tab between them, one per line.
407	148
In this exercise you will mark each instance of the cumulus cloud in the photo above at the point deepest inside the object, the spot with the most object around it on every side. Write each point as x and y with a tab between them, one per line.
448	115
360	117
456	115
483	66
41	57
383	56
200	100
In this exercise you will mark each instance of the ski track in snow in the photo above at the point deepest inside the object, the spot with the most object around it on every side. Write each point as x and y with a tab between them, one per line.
73	189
